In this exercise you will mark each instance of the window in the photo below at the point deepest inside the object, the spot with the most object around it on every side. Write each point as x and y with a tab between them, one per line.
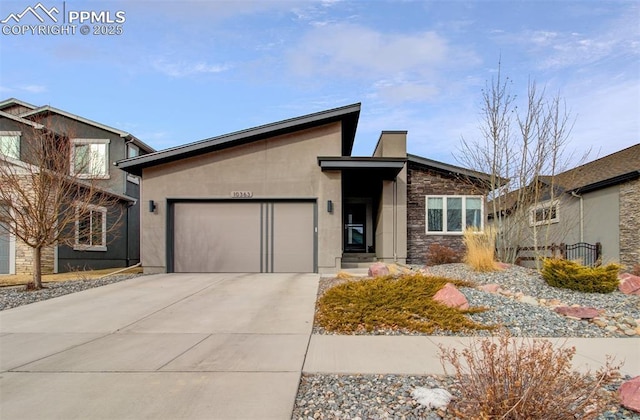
544	213
10	144
132	151
453	214
90	158
91	229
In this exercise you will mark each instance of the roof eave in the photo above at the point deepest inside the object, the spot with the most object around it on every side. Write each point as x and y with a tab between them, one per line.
348	115
629	176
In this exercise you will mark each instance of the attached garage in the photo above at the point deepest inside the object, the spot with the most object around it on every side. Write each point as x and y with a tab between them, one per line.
247	236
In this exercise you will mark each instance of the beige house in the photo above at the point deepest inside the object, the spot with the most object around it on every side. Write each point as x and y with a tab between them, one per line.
289	197
598	202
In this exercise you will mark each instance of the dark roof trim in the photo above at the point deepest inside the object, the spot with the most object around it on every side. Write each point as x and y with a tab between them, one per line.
447	168
348	115
629	176
386	168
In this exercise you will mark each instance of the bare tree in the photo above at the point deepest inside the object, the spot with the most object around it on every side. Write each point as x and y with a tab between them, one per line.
525	147
43	203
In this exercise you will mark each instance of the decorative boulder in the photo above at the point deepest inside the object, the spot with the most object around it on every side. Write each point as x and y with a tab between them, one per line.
630	394
378	270
629	284
580	312
450	296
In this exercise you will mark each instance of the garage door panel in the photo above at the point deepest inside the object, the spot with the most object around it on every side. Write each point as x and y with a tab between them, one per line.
293	238
220	237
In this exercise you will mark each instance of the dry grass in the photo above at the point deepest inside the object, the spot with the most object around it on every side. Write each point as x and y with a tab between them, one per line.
506	378
480	250
23	279
403	303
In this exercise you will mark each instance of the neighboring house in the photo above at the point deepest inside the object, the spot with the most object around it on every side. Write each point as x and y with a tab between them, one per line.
98	145
598	202
290	197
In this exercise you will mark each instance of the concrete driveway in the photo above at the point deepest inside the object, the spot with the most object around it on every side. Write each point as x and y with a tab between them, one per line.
171	346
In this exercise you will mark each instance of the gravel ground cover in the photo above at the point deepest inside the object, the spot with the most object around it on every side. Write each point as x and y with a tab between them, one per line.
388	397
326	396
14	296
524	319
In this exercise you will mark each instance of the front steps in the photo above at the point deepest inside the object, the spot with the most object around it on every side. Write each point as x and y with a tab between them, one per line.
358	260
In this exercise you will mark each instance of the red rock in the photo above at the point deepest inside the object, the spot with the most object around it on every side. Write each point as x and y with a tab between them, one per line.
580	312
450	296
378	270
629	284
491	288
503	266
630	394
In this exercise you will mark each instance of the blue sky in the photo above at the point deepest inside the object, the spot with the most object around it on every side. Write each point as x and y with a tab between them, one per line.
184	71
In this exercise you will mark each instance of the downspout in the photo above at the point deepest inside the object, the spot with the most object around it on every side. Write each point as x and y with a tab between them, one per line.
573	193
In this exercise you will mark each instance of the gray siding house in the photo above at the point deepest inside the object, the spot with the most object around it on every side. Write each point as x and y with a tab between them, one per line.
290	197
19	124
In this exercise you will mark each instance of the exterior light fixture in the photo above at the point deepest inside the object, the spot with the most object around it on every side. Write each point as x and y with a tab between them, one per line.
329	206
152	206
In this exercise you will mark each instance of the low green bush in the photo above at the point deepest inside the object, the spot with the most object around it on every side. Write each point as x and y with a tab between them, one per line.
571	275
403	303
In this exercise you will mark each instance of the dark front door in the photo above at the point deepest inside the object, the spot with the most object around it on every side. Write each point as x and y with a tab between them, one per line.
355	216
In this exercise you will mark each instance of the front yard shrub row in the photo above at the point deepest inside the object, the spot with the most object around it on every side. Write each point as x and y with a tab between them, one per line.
571	275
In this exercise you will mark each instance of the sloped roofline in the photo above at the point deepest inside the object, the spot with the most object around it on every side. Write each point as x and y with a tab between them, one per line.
123	134
14	101
447	168
348	115
21	120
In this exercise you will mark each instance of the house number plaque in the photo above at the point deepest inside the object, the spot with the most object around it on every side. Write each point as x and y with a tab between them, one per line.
241	194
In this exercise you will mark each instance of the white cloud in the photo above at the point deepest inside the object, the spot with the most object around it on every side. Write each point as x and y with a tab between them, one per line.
360	52
34	88
184	68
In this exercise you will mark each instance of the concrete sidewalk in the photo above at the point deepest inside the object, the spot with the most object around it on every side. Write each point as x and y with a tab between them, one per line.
419	355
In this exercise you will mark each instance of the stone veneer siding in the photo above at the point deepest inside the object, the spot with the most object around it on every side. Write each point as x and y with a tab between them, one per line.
24	259
423	181
630	223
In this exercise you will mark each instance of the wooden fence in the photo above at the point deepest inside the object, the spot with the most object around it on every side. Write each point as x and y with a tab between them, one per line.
588	254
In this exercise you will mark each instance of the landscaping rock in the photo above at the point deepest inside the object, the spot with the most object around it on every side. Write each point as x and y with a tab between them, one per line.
580	312
630	394
529	300
378	270
629	284
490	288
450	296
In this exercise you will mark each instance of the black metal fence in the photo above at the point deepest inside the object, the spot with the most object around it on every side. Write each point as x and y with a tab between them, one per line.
588	254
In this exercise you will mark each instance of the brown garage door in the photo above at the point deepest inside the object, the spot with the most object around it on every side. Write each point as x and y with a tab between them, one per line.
248	236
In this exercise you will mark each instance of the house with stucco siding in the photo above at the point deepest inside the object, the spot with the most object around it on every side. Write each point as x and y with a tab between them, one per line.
290	197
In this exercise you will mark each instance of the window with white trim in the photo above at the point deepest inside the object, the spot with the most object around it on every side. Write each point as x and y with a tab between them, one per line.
452	214
90	158
544	213
91	228
10	144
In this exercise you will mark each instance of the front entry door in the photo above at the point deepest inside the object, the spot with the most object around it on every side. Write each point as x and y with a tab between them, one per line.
355	216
